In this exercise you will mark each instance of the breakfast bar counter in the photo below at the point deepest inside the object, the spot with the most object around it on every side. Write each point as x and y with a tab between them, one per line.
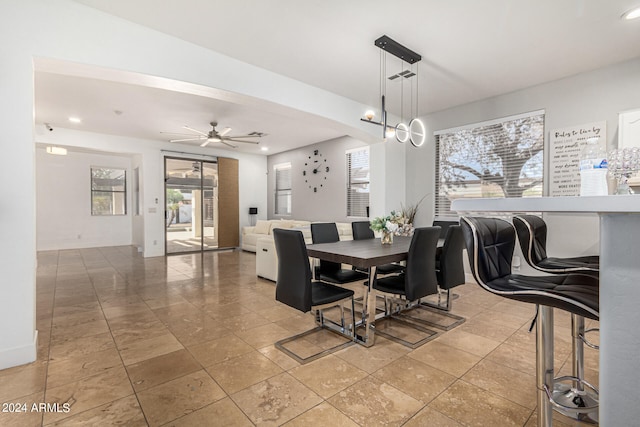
619	289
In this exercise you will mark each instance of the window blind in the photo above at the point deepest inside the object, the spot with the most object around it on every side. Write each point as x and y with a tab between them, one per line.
283	189
358	182
497	158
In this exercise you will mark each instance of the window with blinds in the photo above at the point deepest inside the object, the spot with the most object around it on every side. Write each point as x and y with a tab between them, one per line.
358	182
497	158
283	189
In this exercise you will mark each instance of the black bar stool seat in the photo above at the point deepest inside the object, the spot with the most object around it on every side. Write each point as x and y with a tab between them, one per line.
490	244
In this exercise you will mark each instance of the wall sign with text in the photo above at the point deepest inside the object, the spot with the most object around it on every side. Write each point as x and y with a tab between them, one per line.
564	156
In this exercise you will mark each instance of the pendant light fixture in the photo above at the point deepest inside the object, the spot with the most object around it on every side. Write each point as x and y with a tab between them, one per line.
414	131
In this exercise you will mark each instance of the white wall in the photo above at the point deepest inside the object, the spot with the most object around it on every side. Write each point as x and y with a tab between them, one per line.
63	193
329	203
584	98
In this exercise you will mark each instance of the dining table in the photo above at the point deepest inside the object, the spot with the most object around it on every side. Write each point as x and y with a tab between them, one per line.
619	226
364	254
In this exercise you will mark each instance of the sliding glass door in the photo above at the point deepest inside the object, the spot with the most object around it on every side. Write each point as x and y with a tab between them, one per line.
191	200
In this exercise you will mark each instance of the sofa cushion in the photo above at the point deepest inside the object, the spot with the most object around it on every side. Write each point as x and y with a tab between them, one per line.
262	227
284	223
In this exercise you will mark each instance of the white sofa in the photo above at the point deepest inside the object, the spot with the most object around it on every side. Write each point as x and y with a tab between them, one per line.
261	242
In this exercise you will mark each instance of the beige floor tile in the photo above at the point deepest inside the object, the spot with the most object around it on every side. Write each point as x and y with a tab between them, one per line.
136	332
125	412
372	402
186	394
297	323
222	311
222	413
322	415
279	357
78	318
243	371
88	393
244	322
432	418
373	358
20	413
164	301
263	336
328	375
527	341
466	308
132	320
22	380
219	350
417	379
515	320
492	330
83	345
215	307
74	368
448	359
471	343
518	358
276	400
473	406
503	381
158	370
278	312
138	351
87	329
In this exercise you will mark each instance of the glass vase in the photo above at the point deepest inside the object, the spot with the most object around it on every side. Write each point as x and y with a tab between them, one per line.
386	238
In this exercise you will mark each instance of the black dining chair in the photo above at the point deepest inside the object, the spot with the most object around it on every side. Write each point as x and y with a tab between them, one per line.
361	230
327	271
450	273
295	288
417	281
490	243
532	235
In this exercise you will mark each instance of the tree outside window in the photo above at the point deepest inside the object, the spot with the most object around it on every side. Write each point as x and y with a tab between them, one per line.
502	158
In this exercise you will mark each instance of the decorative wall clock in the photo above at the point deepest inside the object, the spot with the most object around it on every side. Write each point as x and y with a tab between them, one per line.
315	171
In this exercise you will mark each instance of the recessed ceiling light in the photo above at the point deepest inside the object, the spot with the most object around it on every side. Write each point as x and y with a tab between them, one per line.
264	148
75	120
631	14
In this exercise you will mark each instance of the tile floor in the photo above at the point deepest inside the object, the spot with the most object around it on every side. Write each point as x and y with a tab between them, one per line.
188	341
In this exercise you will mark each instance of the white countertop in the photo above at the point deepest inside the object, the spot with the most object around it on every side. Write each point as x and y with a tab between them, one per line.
594	204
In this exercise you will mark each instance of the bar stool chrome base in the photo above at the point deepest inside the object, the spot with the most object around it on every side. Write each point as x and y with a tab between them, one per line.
568	400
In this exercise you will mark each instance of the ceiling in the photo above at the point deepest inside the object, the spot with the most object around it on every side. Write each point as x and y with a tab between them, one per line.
470	50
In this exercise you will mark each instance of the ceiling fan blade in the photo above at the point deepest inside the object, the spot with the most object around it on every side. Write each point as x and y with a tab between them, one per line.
186	139
176	133
245	136
226	143
224	131
205	143
195	130
239	140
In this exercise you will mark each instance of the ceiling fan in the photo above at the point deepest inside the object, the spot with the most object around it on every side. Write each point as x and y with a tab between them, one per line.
214	136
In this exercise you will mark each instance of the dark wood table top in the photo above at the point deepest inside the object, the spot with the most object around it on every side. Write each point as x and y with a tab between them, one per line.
362	253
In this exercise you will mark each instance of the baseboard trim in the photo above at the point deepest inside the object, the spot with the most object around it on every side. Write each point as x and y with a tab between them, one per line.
19	355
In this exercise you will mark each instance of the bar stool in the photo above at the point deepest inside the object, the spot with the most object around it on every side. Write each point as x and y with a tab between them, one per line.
490	244
532	235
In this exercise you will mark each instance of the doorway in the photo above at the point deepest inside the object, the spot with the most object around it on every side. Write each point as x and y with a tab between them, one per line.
191	200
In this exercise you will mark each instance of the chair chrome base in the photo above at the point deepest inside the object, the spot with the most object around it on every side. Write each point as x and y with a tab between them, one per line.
302	360
442	310
342	329
426	334
581	405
